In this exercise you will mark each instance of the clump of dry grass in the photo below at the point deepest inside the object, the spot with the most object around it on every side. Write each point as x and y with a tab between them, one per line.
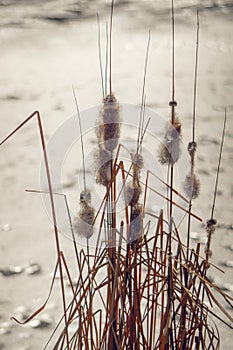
140	288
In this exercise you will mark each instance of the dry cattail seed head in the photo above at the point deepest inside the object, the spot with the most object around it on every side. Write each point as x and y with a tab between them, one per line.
191	186
169	150
136	222
192	147
163	154
103	174
211	226
133	189
85	197
108	131
103	166
83	222
177	125
132	193
137	160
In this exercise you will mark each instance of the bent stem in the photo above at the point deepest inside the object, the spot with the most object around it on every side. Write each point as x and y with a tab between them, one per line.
36	114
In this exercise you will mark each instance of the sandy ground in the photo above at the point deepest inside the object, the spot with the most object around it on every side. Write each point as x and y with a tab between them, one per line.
38	68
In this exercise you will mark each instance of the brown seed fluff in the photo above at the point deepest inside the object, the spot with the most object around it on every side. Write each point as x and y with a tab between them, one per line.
191	186
137	160
103	166
108	131
133	189
211	226
132	193
192	147
85	197
136	222
83	221
169	149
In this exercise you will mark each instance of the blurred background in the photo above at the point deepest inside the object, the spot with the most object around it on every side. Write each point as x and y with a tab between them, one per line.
49	46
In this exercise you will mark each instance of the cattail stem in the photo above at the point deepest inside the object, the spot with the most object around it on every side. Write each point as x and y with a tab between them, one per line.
81	137
141	119
110	48
219	163
172	103
100	55
195	79
173	52
106	60
192	145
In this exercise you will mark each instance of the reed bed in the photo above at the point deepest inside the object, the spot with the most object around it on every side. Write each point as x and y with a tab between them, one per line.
142	286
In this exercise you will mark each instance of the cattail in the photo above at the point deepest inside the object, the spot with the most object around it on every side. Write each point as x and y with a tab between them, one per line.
210	229
163	154
136	222
133	189
211	226
108	131
191	186
192	147
137	160
85	197
83	221
103	160
169	150
132	193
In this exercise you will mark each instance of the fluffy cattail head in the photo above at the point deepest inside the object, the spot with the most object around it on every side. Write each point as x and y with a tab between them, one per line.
133	189
85	197
132	193
110	109
103	174
163	154
83	221
137	160
177	125
169	150
191	186
211	226
103	166
192	147
136	222
108	131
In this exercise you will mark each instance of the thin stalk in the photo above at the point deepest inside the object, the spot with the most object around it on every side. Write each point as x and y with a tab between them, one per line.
42	139
194	126
110	48
219	163
141	119
173	54
100	55
81	138
106	60
195	79
173	100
